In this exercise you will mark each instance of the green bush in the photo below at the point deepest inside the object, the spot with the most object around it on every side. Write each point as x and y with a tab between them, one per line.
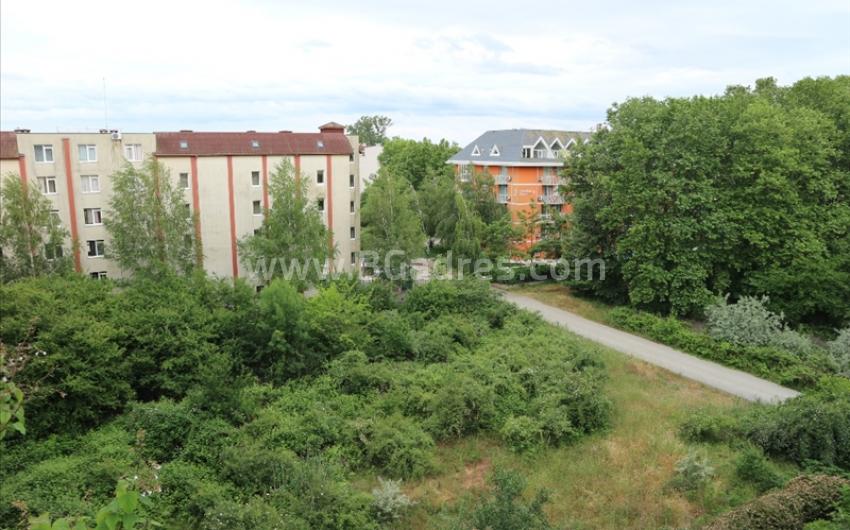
748	322
255	468
803	500
753	467
711	427
461	406
253	514
769	362
189	491
814	426
504	508
839	352
397	446
162	427
522	434
441	296
390	336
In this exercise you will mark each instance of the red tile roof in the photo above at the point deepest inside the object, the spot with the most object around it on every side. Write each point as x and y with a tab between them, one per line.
242	143
8	145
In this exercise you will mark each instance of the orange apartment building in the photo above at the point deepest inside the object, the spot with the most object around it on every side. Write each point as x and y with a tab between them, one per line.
525	164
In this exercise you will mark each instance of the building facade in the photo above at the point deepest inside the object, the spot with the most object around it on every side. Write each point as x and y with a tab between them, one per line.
525	165
224	175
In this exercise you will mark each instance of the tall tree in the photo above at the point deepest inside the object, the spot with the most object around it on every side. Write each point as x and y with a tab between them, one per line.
416	160
293	242
747	193
435	197
392	223
31	238
468	233
150	222
371	130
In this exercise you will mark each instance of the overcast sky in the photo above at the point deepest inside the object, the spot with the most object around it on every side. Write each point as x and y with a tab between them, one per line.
447	69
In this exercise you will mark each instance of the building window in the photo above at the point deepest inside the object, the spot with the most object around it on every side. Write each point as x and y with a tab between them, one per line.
320	176
88	152
353	258
351	157
350	181
99	275
258	208
90	183
255	178
184	181
476	151
320	144
465	173
255	144
133	152
351	206
52	252
188	208
44	153
95	248
47	185
320	204
92	216
526	152
353	232
54	217
184	144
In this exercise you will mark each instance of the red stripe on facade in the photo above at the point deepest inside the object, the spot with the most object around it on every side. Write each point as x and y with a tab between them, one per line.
196	204
72	206
234	262
22	169
330	206
265	184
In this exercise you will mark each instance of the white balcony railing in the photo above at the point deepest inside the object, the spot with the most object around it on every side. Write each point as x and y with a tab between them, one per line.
551	198
502	198
549	180
502	179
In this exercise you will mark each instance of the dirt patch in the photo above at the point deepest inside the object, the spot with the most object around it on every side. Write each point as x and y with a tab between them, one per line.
475	475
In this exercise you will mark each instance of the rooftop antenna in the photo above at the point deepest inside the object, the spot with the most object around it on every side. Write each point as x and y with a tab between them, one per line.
105	112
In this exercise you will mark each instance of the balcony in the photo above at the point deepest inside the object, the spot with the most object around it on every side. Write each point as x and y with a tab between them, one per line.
551	198
503	198
502	179
550	180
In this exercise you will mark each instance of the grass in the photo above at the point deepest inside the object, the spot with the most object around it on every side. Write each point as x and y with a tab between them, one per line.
612	480
559	295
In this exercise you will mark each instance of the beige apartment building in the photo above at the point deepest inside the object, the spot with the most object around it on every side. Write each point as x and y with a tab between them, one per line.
224	175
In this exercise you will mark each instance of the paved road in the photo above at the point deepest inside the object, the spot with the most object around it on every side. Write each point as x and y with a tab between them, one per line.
728	380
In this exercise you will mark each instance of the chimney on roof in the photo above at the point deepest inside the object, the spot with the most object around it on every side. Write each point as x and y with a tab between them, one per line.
332	127
284	131
185	130
103	131
250	131
22	131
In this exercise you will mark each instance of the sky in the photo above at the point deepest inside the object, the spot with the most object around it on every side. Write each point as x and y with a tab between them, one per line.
439	69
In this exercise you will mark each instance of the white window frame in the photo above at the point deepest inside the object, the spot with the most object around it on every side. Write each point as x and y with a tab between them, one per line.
352	231
134	151
58	252
320	173
96	213
102	248
43	183
89	149
257	207
352	182
180	181
259	179
495	151
476	151
44	149
88	179
320	204
98	275
352	207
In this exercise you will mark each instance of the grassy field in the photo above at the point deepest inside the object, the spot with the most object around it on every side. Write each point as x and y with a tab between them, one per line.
613	480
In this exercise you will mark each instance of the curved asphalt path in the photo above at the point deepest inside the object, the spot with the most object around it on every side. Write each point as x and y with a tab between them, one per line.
717	376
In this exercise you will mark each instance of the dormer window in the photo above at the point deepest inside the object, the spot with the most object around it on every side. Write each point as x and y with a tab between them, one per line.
541	150
570	143
526	152
320	144
255	144
495	151
476	151
184	144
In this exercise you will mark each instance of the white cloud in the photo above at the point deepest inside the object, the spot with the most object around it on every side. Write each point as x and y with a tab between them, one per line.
445	70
